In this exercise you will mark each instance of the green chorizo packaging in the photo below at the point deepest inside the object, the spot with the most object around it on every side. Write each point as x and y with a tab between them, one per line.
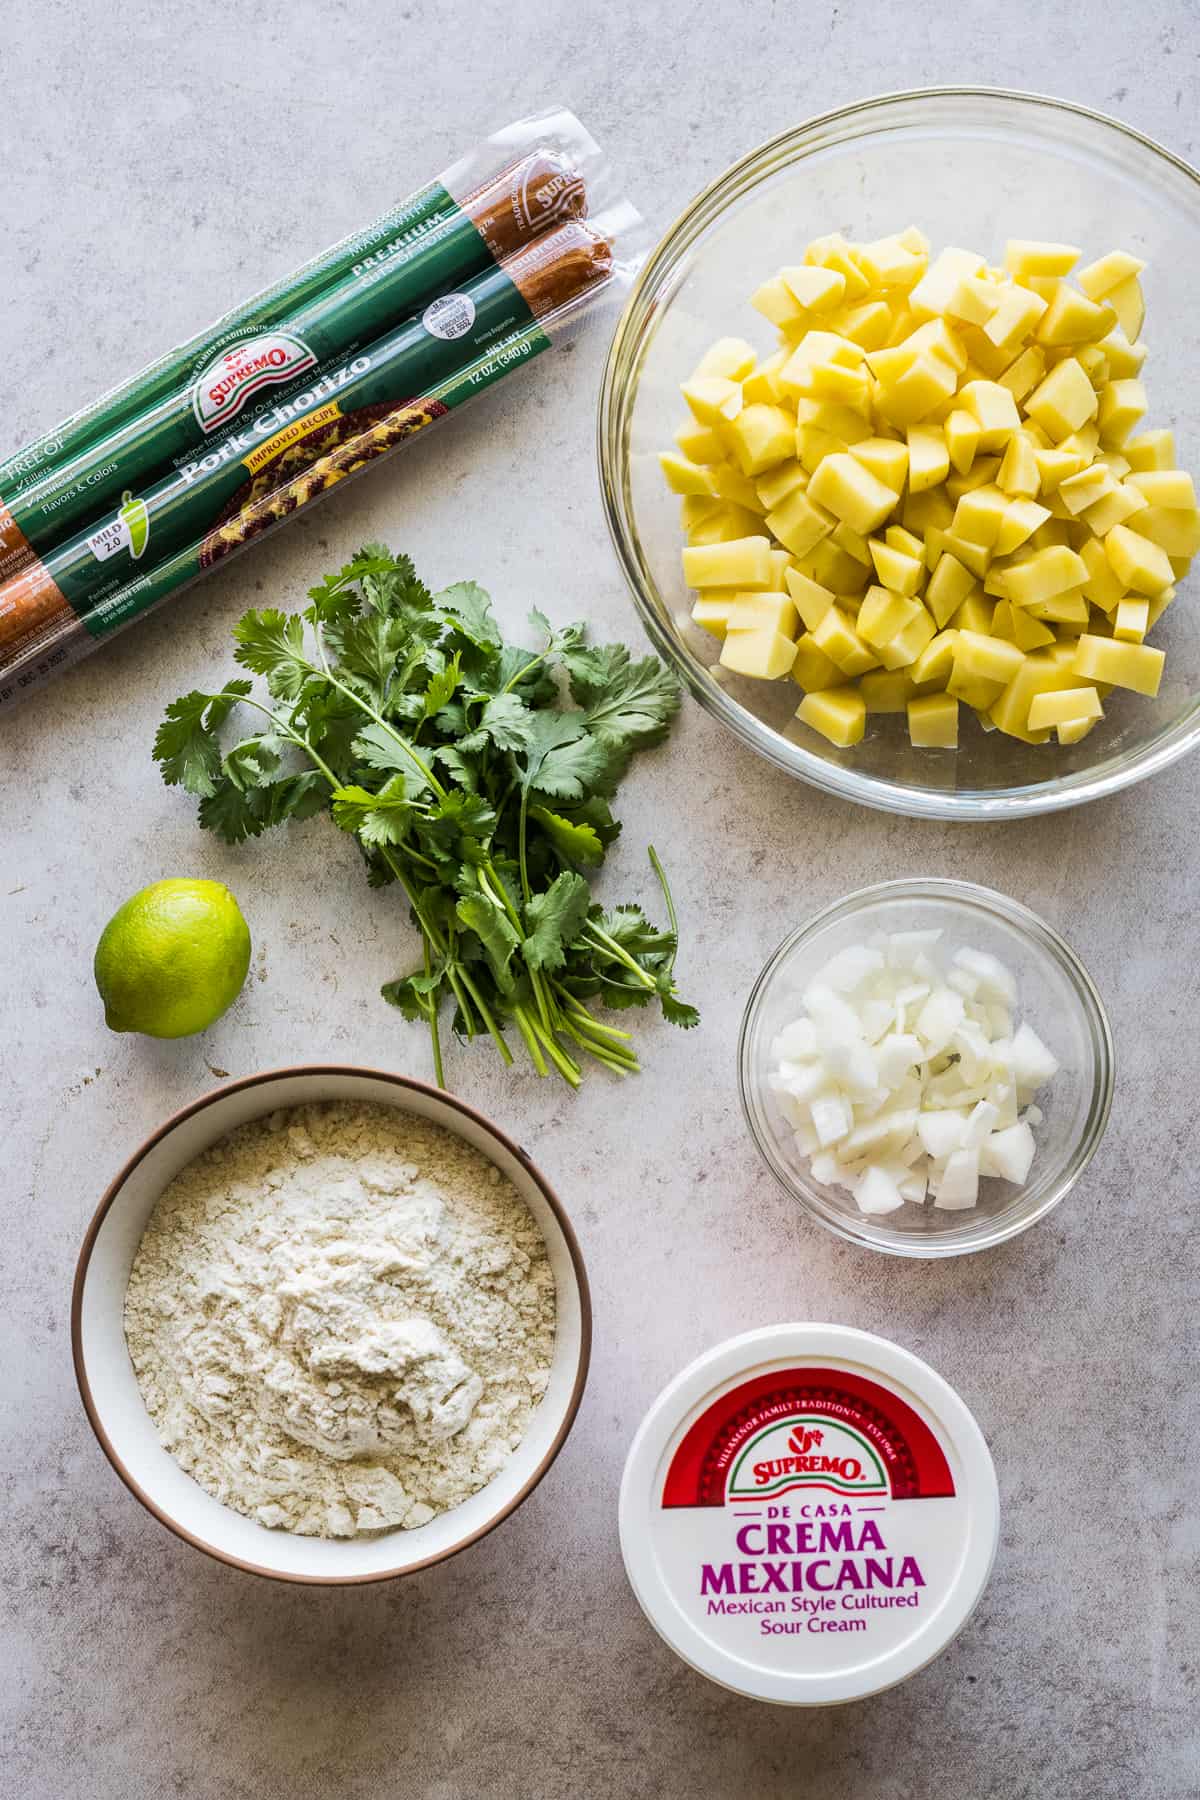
301	388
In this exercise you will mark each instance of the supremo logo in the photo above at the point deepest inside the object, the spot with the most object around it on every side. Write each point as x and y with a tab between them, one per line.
231	379
806	1452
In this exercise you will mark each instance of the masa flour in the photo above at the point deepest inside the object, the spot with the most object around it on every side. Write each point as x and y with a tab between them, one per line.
341	1318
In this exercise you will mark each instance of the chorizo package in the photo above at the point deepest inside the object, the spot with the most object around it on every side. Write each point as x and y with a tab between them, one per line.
392	345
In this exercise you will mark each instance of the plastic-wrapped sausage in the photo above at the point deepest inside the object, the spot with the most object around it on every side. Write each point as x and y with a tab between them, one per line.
254	476
270	356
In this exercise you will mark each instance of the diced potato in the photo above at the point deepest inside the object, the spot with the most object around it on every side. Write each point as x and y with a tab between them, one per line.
973	300
1101	587
743	563
1014	318
812	601
1021	519
975	614
1062	707
960	434
1171	488
685	477
1122	404
1047	572
925	385
1022	376
867	325
799	522
976	557
850	491
933	722
761	436
754	611
1121	502
1039	673
1102	276
774	487
1025	256
928	457
1174	529
936	288
763	653
980	514
908	644
1137	562
714	399
1071	318
837	637
1029	633
995	410
1152	450
886	458
889	263
1131	621
886	690
731	357
897	570
947	588
1127	303
1075	729
839	714
724	524
883	615
775	301
1018	474
816	290
935	664
988	658
762	382
1064	401
711	612
1136	666
812	669
700	443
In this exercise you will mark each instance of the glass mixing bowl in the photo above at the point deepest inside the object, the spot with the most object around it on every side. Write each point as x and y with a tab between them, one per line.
1055	994
970	166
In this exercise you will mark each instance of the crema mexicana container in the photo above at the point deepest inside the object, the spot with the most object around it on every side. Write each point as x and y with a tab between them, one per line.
809	1514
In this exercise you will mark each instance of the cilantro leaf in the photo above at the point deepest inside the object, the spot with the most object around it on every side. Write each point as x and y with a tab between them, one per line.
629	705
378	748
560	758
505	721
376	819
576	840
186	746
469	611
557	916
443	686
676	1011
272	644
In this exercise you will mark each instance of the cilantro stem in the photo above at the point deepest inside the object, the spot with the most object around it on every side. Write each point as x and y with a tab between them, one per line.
521	835
531	1043
566	1065
665	885
434	1034
600	937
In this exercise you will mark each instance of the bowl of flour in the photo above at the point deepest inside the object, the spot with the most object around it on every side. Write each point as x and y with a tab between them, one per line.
330	1324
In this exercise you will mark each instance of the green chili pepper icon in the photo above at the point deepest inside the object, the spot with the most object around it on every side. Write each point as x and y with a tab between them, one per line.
137	523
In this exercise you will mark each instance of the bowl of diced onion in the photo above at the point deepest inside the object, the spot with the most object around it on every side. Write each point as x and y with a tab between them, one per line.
980	168
926	1066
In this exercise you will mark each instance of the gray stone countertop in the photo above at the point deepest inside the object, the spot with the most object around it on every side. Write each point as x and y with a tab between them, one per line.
160	162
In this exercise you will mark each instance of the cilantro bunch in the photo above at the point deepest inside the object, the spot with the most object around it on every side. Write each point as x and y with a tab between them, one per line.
475	775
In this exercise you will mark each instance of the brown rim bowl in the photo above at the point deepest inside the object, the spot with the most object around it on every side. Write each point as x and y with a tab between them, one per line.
113	1400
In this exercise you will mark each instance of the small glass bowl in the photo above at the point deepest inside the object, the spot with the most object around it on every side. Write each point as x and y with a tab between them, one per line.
1055	994
969	166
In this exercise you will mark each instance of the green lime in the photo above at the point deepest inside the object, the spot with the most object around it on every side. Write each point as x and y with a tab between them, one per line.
172	959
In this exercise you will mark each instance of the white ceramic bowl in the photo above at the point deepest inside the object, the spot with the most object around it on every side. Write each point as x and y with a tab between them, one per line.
113	1400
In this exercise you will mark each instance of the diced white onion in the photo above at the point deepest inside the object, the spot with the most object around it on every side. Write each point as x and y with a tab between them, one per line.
903	1082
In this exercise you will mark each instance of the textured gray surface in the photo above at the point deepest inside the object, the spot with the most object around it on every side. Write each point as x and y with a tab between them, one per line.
158	164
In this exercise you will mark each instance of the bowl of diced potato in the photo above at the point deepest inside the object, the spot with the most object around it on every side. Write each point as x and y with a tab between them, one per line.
894	437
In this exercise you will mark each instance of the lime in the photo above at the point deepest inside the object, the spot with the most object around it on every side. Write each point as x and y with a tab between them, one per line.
172	959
